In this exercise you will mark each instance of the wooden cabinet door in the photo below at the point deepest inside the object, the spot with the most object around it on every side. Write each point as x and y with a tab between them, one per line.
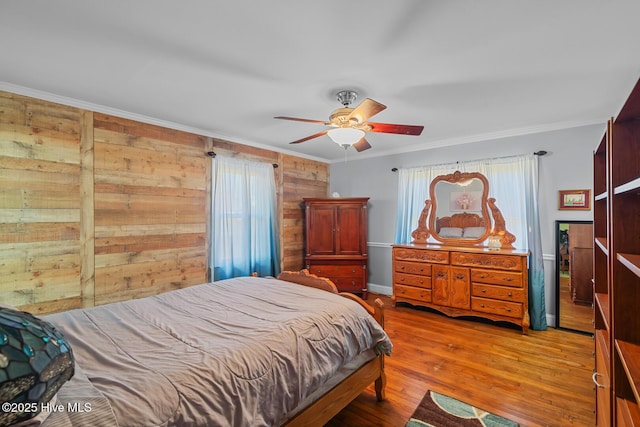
460	288
451	286
349	229
321	229
581	263
602	381
440	293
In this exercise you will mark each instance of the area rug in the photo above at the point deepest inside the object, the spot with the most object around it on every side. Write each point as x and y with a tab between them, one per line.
438	410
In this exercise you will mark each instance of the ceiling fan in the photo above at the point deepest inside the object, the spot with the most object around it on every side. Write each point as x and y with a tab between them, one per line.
349	125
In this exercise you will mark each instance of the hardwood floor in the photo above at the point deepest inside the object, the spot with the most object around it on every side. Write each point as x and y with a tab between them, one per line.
540	379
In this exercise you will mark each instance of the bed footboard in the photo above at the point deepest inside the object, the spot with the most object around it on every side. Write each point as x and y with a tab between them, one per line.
336	399
332	402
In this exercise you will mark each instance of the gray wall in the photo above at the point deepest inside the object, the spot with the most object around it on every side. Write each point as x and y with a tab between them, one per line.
567	166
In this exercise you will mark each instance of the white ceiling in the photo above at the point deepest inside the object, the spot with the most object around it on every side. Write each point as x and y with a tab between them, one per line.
467	70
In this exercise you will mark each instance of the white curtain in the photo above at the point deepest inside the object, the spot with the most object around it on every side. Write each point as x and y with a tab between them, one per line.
245	228
513	182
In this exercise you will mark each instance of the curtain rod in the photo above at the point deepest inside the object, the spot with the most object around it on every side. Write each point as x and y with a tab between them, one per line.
537	153
212	154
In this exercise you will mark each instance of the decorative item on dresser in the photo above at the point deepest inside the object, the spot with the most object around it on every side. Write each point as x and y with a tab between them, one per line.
336	241
463	281
616	227
447	268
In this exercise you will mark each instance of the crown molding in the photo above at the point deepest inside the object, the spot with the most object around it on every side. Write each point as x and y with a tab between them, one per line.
508	133
489	136
84	105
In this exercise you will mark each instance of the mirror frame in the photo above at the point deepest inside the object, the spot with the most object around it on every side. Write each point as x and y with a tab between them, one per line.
456	178
426	229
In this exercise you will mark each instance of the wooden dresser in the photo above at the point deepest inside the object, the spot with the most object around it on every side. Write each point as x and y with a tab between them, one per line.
463	281
336	241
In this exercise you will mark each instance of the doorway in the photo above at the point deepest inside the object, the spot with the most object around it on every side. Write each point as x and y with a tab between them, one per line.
574	273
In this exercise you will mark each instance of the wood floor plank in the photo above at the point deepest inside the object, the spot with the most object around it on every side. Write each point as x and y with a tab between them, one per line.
539	379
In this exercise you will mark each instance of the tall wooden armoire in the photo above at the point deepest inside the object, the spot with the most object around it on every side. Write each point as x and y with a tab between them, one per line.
336	241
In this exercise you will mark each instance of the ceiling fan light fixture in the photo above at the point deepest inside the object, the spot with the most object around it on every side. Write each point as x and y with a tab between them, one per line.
345	136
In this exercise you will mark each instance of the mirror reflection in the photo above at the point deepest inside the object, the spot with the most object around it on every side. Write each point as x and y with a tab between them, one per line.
459	209
574	271
459	215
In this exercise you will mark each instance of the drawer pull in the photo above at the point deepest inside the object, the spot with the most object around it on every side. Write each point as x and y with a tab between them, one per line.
482	305
353	271
508	279
508	310
595	381
484	291
510	294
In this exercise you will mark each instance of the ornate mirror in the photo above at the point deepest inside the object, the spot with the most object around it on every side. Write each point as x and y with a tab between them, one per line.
460	213
574	269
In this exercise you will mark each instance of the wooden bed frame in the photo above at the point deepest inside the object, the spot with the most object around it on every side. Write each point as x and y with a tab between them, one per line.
328	405
460	220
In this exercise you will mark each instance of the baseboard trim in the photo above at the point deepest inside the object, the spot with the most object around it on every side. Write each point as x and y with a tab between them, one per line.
379	289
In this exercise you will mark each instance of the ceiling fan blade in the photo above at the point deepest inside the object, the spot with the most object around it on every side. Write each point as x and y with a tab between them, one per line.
395	128
362	145
315	135
295	119
367	108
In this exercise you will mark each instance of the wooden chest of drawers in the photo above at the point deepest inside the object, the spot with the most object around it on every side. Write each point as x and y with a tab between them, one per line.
348	276
460	281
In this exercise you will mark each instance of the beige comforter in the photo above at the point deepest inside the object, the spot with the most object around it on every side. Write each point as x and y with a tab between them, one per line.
238	352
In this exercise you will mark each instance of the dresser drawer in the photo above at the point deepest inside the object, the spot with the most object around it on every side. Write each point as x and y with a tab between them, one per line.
502	308
496	277
327	270
497	292
412	280
349	284
413	268
502	262
424	255
411	292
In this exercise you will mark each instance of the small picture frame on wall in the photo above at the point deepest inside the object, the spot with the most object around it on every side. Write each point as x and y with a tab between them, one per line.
574	200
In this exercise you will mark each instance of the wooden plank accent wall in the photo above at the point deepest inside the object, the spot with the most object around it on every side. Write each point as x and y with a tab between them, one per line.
40	204
150	209
301	178
97	209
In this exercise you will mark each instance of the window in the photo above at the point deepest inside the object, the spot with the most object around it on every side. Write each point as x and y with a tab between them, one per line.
244	222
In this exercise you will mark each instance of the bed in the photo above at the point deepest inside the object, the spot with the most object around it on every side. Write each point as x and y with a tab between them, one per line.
238	352
461	225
